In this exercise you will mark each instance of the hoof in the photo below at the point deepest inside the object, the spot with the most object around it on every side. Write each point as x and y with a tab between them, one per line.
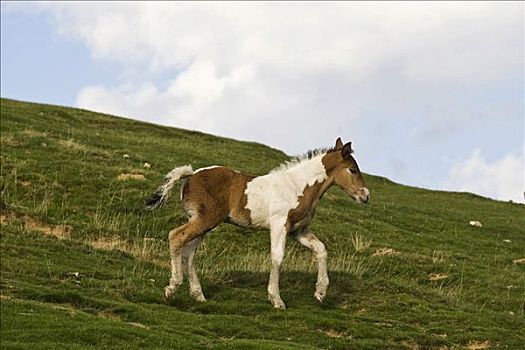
320	296
277	302
169	291
198	297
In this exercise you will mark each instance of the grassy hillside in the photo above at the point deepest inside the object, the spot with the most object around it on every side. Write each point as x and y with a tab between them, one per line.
83	265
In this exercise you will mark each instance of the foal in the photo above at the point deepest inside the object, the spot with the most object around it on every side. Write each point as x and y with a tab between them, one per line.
282	201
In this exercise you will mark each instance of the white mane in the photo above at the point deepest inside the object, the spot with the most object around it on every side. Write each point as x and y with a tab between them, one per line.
292	163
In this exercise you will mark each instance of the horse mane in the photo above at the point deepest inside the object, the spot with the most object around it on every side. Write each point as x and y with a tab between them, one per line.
295	160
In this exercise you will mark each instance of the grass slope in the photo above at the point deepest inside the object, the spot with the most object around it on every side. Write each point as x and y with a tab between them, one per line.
83	265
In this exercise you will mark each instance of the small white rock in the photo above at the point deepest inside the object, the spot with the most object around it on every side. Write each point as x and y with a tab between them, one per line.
507	241
475	224
147	165
126	156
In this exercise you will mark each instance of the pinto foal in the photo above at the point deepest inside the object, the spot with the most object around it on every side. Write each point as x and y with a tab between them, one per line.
282	201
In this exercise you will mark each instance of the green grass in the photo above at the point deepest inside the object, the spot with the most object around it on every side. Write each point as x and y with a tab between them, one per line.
83	265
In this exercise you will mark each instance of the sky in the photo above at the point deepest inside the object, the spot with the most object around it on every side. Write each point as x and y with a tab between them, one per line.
430	94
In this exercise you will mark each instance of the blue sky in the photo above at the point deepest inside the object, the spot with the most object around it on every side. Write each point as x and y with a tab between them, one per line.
37	65
430	95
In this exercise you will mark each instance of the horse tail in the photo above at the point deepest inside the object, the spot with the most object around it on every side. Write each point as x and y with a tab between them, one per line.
157	199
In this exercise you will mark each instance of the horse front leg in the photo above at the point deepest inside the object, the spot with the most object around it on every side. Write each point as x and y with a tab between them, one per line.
278	239
318	249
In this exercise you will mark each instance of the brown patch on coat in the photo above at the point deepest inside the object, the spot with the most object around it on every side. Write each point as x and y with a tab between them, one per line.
239	214
337	163
299	218
227	201
209	197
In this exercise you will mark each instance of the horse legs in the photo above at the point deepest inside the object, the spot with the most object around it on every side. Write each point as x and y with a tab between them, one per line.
177	239
188	253
278	239
318	249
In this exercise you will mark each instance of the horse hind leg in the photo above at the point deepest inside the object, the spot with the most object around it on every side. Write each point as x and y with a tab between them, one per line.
188	253
177	239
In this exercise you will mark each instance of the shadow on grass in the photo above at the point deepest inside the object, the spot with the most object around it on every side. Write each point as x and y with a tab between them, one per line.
245	293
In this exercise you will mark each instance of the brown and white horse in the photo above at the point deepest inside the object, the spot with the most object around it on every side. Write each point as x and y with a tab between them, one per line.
282	201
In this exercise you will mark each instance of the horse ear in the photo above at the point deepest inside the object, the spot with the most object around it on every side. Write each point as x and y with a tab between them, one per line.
338	144
347	150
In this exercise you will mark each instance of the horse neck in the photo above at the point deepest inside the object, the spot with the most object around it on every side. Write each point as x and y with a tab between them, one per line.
308	172
311	179
322	187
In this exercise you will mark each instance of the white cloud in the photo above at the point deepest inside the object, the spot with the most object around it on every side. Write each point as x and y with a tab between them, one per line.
502	179
409	83
261	71
434	41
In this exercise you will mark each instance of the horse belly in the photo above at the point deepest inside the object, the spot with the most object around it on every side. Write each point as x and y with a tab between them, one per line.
259	214
239	219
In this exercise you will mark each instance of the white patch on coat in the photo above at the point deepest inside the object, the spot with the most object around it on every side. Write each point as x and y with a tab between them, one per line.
270	197
206	168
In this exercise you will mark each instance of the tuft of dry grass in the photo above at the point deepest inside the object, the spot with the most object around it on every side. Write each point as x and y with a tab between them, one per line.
108	315
72	145
332	333
478	345
360	243
147	249
126	176
437	276
385	251
438	256
8	140
519	261
34	133
137	325
58	231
